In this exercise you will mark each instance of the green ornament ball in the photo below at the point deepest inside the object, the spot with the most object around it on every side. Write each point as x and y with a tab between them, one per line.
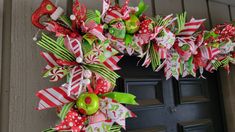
88	103
132	24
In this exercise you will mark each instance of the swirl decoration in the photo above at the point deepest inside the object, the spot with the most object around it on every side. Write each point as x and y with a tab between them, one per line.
87	45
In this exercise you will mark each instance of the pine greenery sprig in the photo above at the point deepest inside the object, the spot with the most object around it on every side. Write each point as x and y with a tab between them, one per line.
160	21
103	71
181	19
55	47
155	59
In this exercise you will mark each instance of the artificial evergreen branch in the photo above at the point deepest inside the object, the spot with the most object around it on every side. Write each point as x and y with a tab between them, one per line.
161	22
181	19
155	59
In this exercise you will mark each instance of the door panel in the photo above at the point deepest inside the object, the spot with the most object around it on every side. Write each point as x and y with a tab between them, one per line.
151	96
186	105
196	126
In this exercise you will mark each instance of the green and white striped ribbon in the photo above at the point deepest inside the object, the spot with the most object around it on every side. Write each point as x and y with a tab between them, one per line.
65	109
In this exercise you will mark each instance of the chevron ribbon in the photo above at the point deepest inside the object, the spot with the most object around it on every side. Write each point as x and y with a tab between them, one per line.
189	68
115	111
167	40
111	62
53	97
172	67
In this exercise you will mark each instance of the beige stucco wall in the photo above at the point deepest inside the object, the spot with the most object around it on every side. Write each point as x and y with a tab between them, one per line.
228	89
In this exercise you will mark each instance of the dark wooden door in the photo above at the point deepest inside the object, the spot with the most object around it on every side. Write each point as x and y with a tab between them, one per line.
187	105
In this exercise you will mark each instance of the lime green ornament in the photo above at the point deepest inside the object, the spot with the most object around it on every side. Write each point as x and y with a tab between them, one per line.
132	24
117	29
88	103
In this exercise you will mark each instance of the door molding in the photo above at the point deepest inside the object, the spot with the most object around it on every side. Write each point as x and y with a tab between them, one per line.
5	57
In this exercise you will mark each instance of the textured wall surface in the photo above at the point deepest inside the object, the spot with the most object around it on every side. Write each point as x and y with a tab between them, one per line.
21	64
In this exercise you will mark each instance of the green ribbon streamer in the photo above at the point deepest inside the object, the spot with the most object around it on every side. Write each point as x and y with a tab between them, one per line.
49	130
124	98
64	111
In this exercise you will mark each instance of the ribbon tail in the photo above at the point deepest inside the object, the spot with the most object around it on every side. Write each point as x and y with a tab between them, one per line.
74	46
111	62
106	4
75	82
53	97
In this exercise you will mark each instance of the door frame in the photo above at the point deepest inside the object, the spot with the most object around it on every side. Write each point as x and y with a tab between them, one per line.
221	98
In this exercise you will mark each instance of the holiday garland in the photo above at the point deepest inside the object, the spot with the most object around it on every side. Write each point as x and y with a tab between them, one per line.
87	45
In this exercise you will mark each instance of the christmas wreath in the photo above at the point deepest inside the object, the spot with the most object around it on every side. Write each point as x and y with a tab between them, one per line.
86	46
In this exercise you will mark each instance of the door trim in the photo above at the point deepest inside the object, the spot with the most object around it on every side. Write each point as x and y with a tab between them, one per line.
221	98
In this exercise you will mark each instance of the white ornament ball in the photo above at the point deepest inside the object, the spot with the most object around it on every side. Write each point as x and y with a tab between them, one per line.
86	81
72	17
87	74
79	60
35	39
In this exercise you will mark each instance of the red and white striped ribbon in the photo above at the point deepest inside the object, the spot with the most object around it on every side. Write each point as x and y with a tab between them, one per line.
51	60
214	52
111	14
111	62
208	52
75	82
147	60
191	27
209	67
162	52
98	32
205	52
106	4
167	70
74	46
53	97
